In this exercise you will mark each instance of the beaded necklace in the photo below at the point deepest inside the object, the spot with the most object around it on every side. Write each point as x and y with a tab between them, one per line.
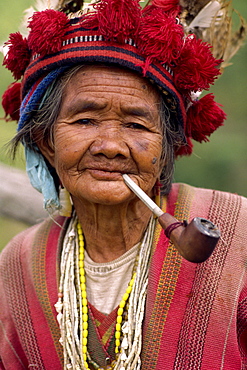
120	311
73	311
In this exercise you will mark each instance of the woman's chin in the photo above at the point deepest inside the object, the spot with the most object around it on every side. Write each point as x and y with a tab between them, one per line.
105	193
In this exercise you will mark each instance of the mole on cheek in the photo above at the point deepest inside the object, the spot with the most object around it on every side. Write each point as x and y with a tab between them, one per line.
154	160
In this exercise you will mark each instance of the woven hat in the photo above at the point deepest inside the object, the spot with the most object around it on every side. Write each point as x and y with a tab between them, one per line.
151	41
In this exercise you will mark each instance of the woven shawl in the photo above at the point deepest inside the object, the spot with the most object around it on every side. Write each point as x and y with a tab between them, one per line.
196	314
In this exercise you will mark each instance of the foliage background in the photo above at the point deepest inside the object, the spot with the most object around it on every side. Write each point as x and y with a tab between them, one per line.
220	164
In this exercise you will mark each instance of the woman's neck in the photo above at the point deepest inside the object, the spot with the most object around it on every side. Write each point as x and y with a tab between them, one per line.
110	231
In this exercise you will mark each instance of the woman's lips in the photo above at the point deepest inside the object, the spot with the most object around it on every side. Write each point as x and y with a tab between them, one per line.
101	174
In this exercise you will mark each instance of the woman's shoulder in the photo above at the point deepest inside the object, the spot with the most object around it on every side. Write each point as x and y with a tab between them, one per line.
33	237
205	194
226	210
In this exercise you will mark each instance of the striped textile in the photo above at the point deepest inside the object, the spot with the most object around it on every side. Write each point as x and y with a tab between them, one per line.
101	339
82	46
196	314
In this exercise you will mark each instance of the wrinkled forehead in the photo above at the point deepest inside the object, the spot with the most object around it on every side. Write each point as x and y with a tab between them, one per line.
99	76
99	88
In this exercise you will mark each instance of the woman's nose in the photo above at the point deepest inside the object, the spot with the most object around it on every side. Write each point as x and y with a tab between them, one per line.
109	143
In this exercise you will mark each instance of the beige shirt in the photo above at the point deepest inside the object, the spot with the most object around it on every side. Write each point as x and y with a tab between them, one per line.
107	282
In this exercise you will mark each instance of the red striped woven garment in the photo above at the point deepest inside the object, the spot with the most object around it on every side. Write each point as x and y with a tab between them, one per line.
196	314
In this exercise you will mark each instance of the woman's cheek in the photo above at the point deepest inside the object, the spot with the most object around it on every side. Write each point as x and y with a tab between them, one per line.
67	150
148	154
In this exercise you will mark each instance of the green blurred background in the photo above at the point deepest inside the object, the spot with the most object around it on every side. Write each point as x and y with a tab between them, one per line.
220	164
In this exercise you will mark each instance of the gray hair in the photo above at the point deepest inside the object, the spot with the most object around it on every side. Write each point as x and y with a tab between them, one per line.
41	123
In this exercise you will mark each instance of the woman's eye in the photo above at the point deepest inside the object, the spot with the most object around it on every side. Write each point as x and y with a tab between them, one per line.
137	126
84	121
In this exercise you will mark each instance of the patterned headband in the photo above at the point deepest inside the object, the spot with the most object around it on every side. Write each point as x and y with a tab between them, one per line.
150	41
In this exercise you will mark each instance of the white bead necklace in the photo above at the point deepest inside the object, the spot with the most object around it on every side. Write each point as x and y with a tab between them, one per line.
70	306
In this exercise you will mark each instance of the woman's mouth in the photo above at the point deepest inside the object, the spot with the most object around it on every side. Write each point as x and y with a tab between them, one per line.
105	174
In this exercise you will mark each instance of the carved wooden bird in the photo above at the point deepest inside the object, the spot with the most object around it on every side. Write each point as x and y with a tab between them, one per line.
211	21
70	6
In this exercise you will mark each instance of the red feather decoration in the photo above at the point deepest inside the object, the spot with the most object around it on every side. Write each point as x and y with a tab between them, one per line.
18	56
11	102
47	31
203	118
196	68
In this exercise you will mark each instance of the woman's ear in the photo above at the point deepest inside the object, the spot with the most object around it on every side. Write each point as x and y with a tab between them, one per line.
47	149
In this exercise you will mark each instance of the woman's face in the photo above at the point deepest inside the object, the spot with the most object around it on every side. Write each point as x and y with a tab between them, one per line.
108	125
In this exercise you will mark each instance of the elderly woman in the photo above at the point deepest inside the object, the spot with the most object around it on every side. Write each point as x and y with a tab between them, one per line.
103	287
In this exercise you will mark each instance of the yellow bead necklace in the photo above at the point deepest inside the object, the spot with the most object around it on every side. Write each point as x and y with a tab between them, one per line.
120	311
72	305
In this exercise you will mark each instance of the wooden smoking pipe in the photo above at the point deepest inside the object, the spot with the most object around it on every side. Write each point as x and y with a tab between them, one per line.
194	241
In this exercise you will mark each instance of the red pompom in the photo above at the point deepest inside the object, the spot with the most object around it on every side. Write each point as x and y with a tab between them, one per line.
160	36
11	102
196	68
18	56
117	20
185	149
203	118
47	31
168	5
